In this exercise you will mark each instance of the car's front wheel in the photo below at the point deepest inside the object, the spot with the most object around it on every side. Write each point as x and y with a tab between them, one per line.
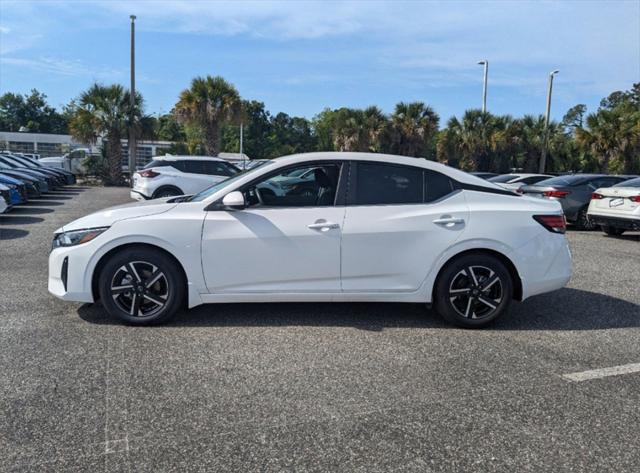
141	286
473	290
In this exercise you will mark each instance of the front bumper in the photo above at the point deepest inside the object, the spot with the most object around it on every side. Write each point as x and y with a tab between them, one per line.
615	222
66	274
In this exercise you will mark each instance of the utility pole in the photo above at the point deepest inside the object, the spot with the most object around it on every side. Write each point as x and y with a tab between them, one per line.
484	63
545	141
132	103
244	164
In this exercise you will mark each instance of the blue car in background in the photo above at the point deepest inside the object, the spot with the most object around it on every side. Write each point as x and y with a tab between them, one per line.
11	191
21	187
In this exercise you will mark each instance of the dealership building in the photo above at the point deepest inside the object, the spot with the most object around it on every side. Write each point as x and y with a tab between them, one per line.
48	144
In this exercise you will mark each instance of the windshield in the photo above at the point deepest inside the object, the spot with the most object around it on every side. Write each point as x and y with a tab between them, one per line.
503	178
200	196
635	182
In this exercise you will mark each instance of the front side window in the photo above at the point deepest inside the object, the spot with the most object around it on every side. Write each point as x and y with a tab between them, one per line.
305	186
380	184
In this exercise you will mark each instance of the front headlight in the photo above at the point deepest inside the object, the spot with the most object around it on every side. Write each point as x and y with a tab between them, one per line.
76	237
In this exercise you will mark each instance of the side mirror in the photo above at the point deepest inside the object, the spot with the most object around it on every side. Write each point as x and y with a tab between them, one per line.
234	201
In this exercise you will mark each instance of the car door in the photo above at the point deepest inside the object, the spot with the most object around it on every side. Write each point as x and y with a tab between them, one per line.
287	239
399	220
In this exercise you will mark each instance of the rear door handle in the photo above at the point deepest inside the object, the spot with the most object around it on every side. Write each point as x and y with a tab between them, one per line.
448	221
323	226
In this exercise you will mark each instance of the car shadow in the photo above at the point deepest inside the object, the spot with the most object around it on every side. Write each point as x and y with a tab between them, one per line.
51	196
12	233
625	236
21	210
566	309
36	201
19	220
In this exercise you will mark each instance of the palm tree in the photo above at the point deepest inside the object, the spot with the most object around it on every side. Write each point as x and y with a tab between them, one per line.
471	139
105	111
412	129
613	136
209	103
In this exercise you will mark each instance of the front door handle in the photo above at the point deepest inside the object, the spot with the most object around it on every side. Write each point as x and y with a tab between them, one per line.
323	226
448	221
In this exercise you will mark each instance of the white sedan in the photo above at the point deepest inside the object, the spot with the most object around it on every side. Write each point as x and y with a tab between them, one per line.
616	209
377	228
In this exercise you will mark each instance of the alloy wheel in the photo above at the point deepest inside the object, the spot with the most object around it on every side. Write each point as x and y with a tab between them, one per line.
475	292
140	289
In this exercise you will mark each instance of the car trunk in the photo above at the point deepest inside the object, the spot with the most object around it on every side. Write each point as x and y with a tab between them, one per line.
616	200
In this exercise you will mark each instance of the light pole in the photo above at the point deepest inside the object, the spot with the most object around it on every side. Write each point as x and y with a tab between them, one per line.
545	141
484	63
132	103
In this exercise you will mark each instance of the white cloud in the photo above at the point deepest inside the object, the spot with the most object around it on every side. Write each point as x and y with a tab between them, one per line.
63	67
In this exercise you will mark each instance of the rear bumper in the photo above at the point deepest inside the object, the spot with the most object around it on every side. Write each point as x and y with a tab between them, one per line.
616	222
544	264
136	195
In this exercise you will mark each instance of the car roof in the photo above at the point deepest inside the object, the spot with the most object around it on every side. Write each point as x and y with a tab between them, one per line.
170	157
454	173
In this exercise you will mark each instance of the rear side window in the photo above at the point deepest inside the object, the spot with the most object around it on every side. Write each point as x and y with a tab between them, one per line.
160	163
379	184
219	168
436	185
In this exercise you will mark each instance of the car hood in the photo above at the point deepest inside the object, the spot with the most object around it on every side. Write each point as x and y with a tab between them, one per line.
111	215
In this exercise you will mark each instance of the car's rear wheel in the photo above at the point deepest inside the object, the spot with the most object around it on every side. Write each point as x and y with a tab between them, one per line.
474	290
583	222
141	286
167	192
613	231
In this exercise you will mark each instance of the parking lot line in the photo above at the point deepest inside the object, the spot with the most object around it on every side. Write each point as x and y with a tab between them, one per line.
602	372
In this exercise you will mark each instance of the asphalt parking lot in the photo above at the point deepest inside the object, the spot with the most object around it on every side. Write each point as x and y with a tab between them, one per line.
314	387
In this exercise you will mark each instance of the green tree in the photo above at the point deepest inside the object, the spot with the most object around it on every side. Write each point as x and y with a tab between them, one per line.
412	130
208	104
30	111
105	111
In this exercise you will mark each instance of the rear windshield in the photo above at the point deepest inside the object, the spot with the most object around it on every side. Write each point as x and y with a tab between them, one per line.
572	180
635	182
503	178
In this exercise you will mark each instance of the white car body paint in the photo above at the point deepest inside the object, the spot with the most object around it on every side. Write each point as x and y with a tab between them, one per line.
168	176
369	253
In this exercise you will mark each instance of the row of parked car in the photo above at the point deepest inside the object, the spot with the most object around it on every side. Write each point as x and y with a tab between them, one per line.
611	202
24	177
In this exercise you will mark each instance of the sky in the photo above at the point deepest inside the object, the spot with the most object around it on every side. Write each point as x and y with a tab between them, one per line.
300	57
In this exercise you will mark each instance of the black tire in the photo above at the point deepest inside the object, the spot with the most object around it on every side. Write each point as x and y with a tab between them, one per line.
466	293
156	282
583	222
612	231
167	192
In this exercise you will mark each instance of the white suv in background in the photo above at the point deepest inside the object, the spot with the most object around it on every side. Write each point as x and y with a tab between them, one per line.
168	176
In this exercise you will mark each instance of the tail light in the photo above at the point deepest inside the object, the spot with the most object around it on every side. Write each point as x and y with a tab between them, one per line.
596	196
150	173
635	198
558	194
553	223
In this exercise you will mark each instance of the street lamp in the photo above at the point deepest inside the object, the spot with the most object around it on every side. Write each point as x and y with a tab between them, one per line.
132	102
484	63
543	157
